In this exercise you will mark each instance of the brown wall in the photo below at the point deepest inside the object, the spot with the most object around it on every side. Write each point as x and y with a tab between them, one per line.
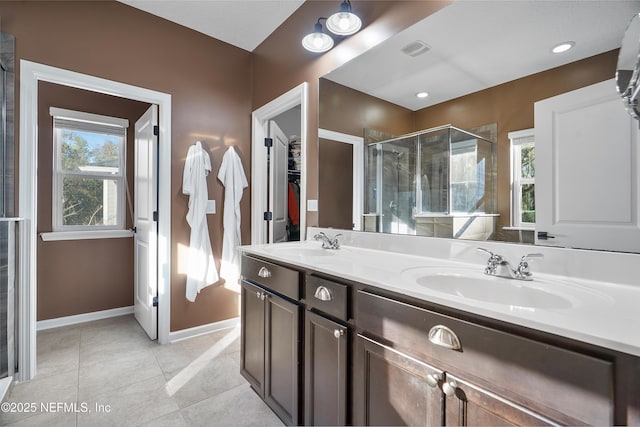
280	63
335	189
510	105
98	274
210	85
342	109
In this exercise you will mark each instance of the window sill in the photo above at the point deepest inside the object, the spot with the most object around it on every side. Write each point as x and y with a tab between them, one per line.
519	228
85	235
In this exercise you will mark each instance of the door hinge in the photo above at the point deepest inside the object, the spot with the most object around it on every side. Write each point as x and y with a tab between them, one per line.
155	301
156	130
268	142
268	216
155	216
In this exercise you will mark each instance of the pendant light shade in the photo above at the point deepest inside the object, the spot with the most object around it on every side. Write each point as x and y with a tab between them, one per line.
344	22
318	41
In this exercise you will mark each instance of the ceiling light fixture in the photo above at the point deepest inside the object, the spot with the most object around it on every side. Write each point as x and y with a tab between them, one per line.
422	94
563	47
318	41
344	22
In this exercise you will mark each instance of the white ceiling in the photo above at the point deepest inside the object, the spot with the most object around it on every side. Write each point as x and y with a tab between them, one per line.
242	23
477	44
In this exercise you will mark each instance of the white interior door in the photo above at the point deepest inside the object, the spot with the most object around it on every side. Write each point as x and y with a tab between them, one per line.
278	184
146	236
587	185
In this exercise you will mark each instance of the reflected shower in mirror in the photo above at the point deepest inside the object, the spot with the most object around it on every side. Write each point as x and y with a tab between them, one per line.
438	183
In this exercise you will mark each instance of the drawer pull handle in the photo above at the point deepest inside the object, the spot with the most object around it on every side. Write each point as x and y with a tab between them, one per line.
449	388
264	272
433	380
338	333
323	294
444	337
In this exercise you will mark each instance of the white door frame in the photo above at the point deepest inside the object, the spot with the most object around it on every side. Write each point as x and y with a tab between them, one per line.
259	122
30	74
358	170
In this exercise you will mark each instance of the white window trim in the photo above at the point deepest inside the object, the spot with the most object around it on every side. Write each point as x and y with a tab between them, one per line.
120	127
519	138
88	117
85	235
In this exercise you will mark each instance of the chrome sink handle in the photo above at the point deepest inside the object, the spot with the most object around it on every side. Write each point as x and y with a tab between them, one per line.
493	262
328	242
522	271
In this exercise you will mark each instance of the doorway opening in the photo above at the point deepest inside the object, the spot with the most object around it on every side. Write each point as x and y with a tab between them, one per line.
278	168
31	74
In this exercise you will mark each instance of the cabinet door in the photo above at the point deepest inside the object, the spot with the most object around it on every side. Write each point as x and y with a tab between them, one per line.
469	405
394	389
325	371
252	333
282	349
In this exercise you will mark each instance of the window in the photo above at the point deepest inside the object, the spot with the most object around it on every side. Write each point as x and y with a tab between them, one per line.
523	173
88	171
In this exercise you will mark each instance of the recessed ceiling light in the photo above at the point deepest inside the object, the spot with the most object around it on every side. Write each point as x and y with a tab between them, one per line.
563	47
422	94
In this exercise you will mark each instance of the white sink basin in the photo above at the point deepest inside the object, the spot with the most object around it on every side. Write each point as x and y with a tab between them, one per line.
471	285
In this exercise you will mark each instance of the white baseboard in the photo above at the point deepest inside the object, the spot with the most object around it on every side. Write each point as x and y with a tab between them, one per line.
81	318
203	329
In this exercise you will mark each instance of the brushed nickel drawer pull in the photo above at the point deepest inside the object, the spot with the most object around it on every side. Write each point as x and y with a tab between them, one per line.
444	337
323	294
264	272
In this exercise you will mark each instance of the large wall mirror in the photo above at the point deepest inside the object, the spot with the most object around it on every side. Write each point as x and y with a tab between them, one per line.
484	66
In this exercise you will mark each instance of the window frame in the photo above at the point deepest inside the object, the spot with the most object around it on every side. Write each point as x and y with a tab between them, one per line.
96	123
518	140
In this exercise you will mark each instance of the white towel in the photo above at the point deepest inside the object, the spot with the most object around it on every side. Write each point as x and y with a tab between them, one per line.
234	180
201	267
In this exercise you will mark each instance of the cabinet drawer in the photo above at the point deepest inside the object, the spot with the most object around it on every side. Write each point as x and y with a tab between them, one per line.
327	296
272	276
572	387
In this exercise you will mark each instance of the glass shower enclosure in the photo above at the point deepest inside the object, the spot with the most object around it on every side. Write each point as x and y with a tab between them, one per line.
438	182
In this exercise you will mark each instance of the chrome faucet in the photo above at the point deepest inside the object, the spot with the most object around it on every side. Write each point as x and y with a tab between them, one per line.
328	242
498	266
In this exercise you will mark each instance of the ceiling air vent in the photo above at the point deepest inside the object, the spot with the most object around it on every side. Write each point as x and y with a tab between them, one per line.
416	48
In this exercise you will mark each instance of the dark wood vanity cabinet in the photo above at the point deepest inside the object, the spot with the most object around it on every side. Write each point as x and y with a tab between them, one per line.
327	344
394	389
271	336
486	377
326	371
321	352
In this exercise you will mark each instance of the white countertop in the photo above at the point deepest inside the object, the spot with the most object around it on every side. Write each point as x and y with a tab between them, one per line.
596	312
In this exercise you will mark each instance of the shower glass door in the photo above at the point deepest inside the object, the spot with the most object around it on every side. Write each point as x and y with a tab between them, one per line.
398	187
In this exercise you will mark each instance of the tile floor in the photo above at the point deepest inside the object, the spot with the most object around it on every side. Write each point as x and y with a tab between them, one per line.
108	373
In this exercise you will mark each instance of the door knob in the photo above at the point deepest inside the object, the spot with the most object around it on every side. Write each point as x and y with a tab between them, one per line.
338	333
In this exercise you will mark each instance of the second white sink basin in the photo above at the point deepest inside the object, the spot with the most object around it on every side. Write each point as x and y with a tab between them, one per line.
472	285
490	289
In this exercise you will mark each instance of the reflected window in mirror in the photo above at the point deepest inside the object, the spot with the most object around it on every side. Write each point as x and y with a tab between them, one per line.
523	177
